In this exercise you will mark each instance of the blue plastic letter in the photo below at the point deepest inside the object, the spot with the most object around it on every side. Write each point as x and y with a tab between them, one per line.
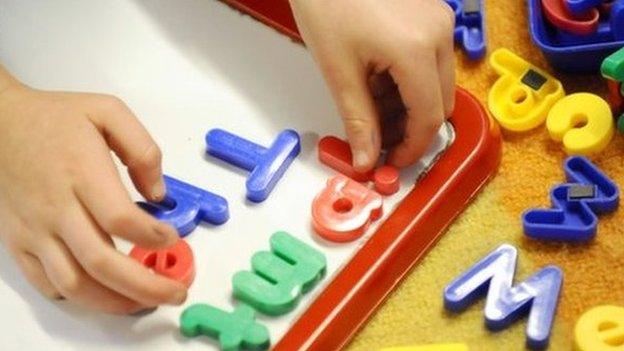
579	7
573	219
186	205
609	31
617	20
265	166
469	26
493	275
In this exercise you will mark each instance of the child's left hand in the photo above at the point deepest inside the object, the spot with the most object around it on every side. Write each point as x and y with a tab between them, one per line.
381	58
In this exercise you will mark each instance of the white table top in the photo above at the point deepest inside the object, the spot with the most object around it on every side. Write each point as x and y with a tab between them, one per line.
184	67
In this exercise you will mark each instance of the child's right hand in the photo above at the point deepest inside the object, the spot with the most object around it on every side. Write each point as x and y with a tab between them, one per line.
390	67
61	198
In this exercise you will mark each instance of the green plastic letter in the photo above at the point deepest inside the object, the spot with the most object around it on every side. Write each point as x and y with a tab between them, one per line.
235	331
281	276
613	66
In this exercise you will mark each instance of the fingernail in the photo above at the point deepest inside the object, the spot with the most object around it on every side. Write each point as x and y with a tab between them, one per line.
178	298
158	191
361	159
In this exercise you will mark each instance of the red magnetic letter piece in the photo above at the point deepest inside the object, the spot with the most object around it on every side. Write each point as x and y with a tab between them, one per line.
336	153
616	100
386	180
175	262
344	209
559	16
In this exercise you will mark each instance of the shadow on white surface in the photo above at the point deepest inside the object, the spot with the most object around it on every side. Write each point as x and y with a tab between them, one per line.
61	319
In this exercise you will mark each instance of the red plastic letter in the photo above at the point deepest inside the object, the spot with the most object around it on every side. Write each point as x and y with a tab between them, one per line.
615	95
386	180
344	209
559	16
175	262
336	153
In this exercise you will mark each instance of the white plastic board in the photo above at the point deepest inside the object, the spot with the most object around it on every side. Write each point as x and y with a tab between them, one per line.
184	67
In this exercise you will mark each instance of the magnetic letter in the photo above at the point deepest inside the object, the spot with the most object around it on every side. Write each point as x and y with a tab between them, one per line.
234	331
493	276
523	94
186	205
571	218
175	262
279	276
265	165
594	116
344	209
600	329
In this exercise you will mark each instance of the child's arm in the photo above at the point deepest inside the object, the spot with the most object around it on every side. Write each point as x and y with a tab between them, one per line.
61	198
379	57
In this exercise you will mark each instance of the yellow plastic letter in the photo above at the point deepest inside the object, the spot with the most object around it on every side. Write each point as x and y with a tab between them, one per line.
523	94
583	122
600	329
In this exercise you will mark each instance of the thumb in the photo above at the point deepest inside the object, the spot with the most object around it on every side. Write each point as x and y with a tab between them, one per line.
347	81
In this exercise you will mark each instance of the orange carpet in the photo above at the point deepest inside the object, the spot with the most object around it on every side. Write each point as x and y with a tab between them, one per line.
531	165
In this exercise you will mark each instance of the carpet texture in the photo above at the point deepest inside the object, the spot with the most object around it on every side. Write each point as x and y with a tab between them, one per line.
531	165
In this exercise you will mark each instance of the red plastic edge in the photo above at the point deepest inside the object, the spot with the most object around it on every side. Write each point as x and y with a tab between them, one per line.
405	237
616	100
409	232
559	16
274	13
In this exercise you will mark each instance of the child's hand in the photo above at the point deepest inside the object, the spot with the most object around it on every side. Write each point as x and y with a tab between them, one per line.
61	198
380	57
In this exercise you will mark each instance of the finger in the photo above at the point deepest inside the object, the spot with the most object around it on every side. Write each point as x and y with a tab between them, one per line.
101	191
77	286
111	268
446	69
129	139
347	81
27	262
36	275
423	100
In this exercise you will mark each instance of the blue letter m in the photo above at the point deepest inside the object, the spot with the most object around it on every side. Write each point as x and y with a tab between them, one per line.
493	275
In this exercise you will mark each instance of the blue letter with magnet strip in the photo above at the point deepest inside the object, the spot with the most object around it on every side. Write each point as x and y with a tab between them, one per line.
578	53
576	204
185	206
265	165
610	29
493	275
469	26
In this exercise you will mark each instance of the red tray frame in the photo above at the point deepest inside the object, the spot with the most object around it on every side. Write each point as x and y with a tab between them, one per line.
274	13
405	237
410	230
